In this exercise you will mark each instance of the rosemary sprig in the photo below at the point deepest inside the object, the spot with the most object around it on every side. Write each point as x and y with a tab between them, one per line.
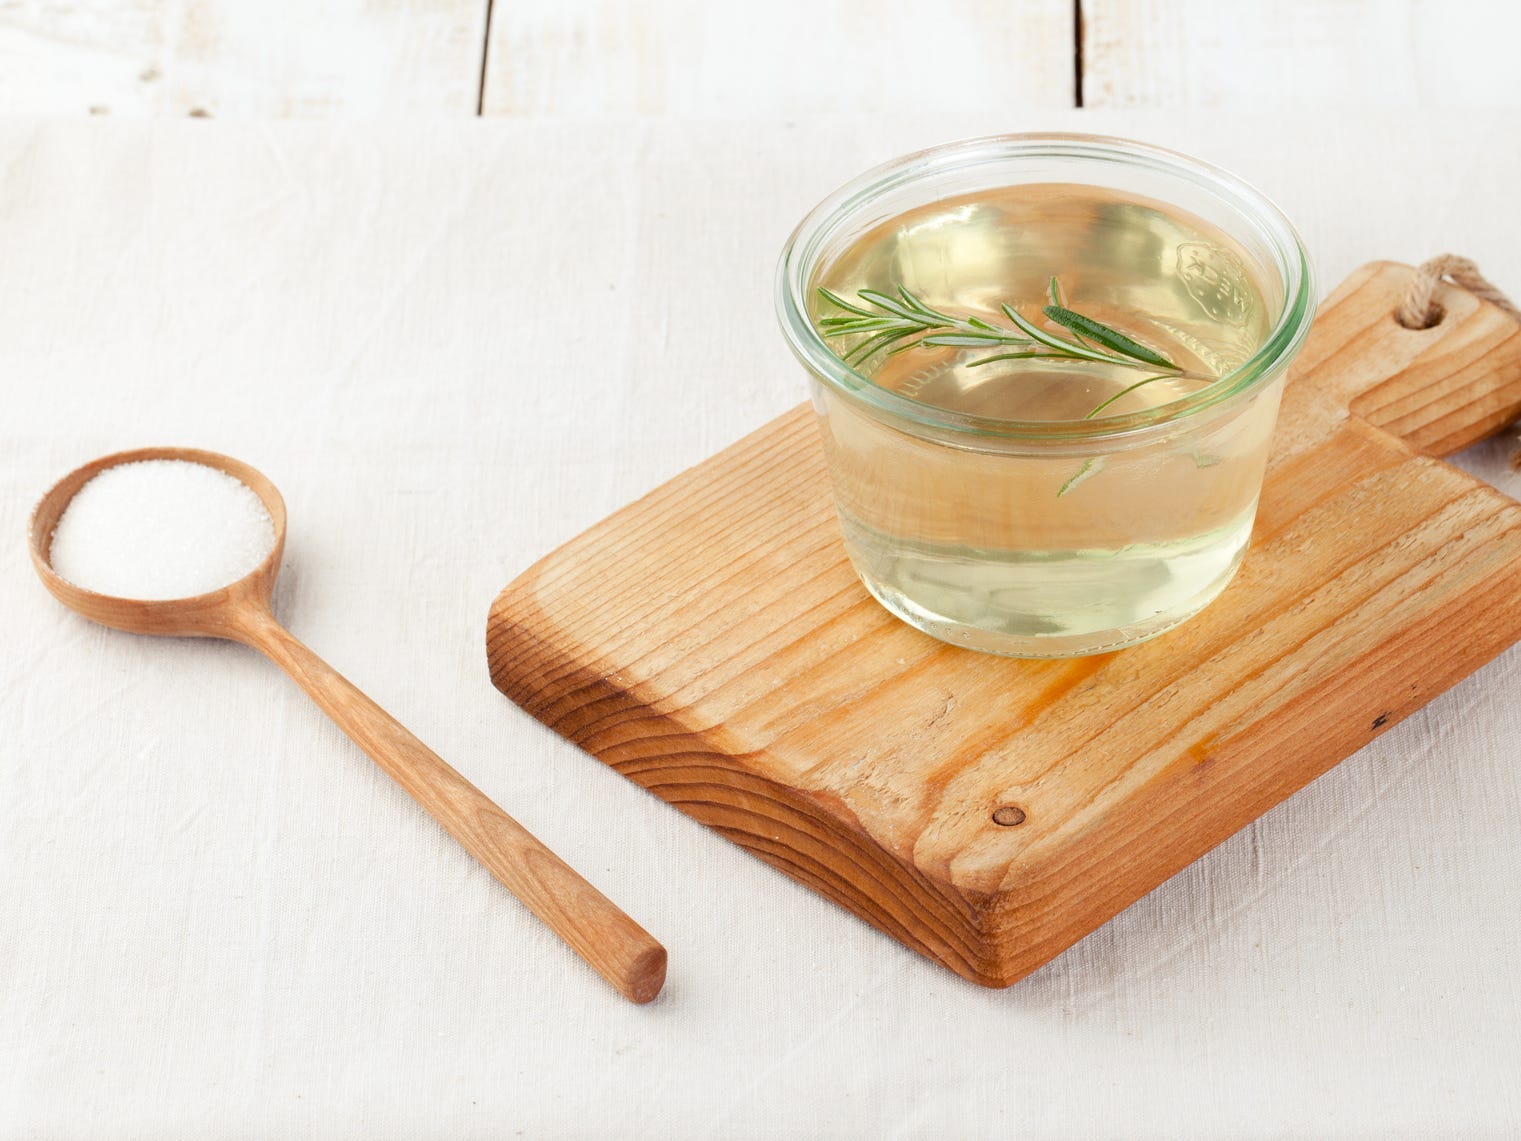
894	324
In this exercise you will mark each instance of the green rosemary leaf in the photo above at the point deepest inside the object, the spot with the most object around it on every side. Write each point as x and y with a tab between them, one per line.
1058	297
1102	334
1090	467
1124	392
1070	348
1016	357
848	325
883	301
872	345
972	340
836	299
919	305
867	347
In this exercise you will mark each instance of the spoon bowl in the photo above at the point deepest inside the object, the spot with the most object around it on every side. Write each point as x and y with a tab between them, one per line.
619	949
197	616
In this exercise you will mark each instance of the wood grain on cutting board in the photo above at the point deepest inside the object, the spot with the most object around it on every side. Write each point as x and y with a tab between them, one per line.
712	643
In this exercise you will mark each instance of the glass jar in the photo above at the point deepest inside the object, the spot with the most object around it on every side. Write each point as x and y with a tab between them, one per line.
1063	536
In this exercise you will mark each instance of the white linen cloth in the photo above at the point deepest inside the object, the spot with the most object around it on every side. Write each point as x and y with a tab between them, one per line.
454	346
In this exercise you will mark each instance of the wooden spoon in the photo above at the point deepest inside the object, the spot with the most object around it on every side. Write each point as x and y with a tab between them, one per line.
619	949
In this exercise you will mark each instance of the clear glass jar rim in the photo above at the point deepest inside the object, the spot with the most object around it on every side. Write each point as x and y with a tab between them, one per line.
800	253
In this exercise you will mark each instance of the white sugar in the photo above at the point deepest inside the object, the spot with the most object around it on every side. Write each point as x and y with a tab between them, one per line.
159	529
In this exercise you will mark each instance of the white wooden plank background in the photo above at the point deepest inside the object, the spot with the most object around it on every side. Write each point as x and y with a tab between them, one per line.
241	58
691	58
703	59
1332	54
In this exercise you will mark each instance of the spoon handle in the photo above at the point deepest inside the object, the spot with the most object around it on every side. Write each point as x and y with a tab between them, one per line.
620	950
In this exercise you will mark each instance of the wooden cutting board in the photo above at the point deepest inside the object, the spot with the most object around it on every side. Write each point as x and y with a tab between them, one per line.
712	643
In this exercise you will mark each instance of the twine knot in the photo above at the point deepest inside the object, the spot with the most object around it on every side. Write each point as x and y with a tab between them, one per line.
1418	309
